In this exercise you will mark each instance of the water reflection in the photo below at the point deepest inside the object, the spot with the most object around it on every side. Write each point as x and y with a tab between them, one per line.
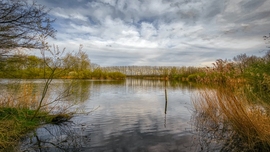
64	137
132	116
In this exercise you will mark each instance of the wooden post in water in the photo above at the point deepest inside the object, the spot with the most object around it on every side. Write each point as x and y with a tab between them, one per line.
166	100
166	103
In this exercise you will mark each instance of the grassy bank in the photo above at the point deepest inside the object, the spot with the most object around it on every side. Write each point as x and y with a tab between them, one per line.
236	113
230	118
25	106
16	122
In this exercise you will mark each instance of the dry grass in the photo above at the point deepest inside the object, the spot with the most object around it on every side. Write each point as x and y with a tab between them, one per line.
17	107
27	96
232	119
15	113
21	96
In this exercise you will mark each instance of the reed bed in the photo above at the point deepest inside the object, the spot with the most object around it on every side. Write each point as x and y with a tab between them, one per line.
18	105
230	119
21	96
16	109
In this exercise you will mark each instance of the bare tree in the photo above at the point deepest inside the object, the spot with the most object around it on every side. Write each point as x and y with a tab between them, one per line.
23	25
267	40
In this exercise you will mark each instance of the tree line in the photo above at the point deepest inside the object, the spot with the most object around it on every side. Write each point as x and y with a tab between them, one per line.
78	65
253	71
222	70
153	71
72	65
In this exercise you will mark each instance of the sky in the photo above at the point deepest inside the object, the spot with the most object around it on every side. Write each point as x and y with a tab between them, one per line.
160	32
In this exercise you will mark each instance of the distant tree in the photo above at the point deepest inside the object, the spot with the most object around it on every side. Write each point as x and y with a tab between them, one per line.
23	25
241	62
84	61
267	39
78	64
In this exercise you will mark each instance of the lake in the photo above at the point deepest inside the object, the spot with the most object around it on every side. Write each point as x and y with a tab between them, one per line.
128	115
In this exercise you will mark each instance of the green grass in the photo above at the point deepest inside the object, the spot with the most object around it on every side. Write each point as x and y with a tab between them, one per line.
15	123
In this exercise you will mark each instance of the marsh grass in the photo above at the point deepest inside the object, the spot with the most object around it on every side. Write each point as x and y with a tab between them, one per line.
229	118
18	112
14	124
22	96
15	114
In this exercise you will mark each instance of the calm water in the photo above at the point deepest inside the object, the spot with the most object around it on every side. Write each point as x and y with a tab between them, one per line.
130	115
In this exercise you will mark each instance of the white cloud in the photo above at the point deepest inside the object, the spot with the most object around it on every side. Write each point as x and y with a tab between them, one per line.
178	31
60	12
148	31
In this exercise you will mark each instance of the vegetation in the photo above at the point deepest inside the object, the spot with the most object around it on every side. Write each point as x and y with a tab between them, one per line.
71	66
25	106
168	72
19	111
229	117
243	68
236	113
15	123
23	25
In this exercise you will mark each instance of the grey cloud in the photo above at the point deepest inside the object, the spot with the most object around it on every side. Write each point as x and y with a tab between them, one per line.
251	5
199	46
164	32
63	3
190	16
110	58
214	9
254	17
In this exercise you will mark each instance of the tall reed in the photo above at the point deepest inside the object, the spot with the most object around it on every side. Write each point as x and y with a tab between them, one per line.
231	119
18	110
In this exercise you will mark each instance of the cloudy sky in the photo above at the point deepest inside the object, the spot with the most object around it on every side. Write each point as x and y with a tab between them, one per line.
161	32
